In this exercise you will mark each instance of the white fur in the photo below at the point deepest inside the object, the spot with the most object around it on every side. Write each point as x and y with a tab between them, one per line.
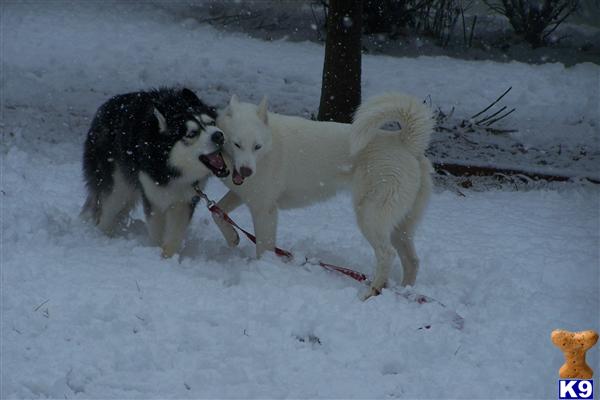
163	197
184	154
170	212
162	122
415	120
191	126
207	119
170	204
304	161
242	142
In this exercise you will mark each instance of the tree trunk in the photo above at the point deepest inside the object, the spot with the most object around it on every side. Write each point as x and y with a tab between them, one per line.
340	91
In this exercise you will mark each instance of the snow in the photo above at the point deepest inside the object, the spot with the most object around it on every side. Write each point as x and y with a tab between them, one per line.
86	316
80	60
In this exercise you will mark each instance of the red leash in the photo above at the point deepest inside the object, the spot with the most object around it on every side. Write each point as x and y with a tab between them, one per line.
457	320
357	276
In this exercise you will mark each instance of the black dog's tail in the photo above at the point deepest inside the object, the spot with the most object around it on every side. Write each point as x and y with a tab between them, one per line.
98	165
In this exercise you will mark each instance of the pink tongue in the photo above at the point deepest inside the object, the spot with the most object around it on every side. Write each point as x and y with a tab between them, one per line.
216	160
237	178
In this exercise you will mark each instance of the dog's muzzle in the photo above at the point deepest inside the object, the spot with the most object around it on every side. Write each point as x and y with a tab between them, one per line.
215	163
218	138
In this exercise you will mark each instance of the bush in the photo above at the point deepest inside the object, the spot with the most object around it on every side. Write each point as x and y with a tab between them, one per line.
534	20
435	18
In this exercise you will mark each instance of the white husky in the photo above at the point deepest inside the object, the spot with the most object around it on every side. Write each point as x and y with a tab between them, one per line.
290	162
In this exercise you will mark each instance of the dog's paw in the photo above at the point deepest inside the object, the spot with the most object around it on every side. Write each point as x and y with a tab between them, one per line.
167	251
407	282
370	292
232	238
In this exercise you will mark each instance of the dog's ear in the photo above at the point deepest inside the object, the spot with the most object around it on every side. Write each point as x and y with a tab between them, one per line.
162	122
263	110
234	100
190	97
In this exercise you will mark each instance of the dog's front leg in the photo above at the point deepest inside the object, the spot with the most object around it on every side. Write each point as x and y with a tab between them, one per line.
265	228
228	203
155	221
177	220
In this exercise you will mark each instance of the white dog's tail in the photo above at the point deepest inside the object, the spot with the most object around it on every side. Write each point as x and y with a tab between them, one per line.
416	121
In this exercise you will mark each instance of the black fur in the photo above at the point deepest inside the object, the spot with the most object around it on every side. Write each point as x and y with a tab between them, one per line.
125	132
145	135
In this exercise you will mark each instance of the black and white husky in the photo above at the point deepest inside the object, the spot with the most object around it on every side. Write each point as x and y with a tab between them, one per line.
157	144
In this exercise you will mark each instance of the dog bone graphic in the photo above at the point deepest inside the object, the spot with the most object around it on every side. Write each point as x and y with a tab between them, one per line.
574	345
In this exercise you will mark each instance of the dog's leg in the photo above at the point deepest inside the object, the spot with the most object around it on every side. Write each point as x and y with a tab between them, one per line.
155	222
402	237
91	208
402	240
265	228
228	203
376	224
115	204
384	254
177	219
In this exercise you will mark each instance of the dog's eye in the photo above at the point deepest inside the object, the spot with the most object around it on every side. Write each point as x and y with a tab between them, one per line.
237	145
192	133
257	147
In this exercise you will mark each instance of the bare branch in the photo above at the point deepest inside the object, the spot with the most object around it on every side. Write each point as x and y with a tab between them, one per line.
40	305
490	116
500	117
491	105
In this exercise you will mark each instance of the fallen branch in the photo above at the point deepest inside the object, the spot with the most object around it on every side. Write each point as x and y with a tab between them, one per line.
484	123
225	18
474	170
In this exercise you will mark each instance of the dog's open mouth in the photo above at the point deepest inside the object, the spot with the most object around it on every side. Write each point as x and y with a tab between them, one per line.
215	163
237	178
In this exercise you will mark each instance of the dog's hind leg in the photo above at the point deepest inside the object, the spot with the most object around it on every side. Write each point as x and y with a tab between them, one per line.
155	222
377	225
177	219
91	208
228	203
384	255
402	237
116	203
402	240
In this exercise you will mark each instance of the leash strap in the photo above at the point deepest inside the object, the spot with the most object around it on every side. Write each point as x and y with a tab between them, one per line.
357	276
457	320
218	211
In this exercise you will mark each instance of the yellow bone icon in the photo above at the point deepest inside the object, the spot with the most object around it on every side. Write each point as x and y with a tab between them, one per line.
574	345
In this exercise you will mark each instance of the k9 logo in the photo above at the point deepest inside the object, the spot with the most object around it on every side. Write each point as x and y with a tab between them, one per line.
575	389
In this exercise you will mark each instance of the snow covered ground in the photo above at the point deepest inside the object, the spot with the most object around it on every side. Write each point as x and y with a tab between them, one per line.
67	58
85	316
